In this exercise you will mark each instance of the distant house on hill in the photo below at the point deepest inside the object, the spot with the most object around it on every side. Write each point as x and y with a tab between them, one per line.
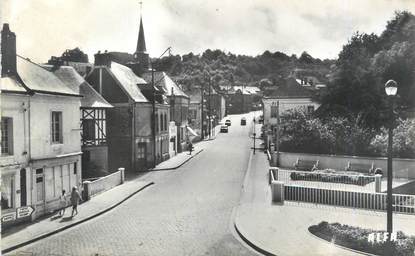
286	96
307	78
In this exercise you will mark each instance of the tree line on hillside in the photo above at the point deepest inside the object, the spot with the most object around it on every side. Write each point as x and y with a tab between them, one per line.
355	81
228	69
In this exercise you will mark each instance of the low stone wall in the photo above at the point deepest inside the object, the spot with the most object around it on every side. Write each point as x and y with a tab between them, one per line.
402	168
92	188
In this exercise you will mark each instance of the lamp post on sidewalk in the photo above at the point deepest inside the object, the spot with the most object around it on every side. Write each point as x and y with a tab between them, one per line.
391	88
254	132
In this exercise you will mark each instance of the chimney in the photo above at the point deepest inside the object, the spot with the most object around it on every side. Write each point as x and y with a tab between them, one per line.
8	52
102	59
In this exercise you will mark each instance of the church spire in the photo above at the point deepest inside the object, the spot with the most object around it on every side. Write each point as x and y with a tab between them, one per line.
141	43
141	56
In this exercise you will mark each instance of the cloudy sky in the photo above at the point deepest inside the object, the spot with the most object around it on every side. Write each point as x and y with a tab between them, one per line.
320	27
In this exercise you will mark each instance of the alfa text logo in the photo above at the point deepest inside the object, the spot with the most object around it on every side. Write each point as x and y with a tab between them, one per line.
381	237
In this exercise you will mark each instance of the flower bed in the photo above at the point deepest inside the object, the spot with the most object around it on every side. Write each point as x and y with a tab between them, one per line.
333	178
357	238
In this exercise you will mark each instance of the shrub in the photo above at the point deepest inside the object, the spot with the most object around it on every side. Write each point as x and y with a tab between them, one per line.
403	140
327	177
357	238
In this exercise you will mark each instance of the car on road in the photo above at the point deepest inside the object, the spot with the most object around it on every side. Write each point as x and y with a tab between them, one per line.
228	122
243	121
224	128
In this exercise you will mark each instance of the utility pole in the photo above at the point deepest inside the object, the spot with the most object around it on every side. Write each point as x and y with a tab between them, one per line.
210	110
277	137
243	103
254	133
154	116
202	119
153	123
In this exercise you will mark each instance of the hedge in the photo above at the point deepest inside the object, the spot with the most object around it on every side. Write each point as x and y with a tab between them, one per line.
357	238
327	177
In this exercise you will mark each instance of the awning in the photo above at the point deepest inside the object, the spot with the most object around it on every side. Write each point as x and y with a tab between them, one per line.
192	132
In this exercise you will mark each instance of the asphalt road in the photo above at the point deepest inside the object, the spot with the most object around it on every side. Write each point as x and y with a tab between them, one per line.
188	211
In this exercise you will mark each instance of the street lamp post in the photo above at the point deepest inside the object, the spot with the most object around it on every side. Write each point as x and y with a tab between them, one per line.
254	132
391	88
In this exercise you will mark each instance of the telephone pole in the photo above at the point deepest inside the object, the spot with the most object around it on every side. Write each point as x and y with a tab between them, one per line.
202	119
210	110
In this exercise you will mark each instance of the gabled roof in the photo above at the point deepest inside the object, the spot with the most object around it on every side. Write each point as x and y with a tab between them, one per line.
163	80
291	90
10	84
39	79
129	81
92	99
70	77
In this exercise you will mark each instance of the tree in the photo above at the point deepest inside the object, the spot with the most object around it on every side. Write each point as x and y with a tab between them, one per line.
403	140
366	62
306	58
75	55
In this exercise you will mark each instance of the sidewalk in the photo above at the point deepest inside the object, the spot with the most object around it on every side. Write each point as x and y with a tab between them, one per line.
24	234
178	160
283	229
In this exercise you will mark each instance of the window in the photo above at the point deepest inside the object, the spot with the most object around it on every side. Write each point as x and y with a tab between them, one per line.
310	109
156	123
192	113
274	111
39	185
6	136
141	150
7	191
88	129
162	122
56	127
75	168
165	122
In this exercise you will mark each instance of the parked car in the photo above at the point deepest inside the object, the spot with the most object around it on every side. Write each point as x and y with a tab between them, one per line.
228	122
243	121
224	128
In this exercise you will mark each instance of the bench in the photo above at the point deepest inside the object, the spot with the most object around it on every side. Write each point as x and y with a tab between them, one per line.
306	165
359	167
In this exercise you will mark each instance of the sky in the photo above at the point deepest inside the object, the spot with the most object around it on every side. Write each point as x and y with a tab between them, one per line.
46	28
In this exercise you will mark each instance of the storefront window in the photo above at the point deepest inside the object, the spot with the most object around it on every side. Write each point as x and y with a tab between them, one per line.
7	189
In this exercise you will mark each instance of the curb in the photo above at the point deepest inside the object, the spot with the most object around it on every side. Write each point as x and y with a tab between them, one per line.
178	166
14	247
246	240
238	231
248	170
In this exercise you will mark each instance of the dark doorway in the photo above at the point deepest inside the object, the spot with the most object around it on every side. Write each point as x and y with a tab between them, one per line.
23	194
141	152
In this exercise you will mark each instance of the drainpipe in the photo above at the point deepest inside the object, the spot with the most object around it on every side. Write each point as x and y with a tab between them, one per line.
133	138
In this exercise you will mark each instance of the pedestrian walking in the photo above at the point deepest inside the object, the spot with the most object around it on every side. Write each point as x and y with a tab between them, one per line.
190	145
75	198
62	203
